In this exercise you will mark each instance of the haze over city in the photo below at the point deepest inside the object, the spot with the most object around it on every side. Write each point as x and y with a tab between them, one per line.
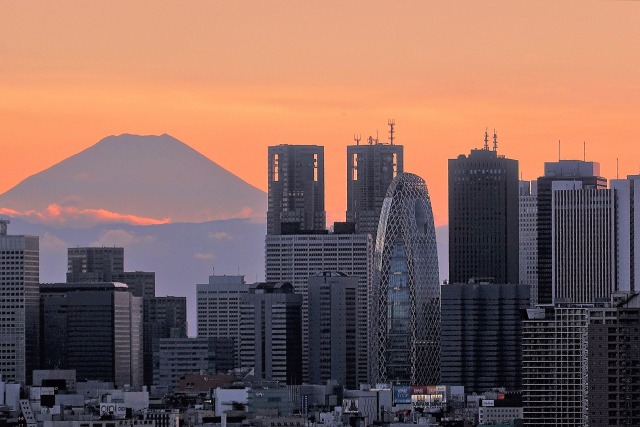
230	78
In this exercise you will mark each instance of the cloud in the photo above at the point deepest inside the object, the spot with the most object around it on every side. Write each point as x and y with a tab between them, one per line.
50	241
71	215
119	237
208	256
220	235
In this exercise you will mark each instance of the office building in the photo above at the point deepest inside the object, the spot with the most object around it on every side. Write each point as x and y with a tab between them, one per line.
482	335
180	356
405	299
528	236
94	328
564	170
627	232
163	317
296	189
94	264
333	327
483	217
219	304
295	258
140	283
19	305
370	169
581	364
583	243
271	333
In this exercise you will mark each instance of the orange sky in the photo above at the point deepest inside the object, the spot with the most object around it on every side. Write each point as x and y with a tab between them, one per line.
231	77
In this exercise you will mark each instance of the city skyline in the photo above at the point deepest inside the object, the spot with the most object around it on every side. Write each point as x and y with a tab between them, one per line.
227	78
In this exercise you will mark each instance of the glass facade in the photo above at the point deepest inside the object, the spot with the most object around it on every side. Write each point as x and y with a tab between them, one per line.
405	305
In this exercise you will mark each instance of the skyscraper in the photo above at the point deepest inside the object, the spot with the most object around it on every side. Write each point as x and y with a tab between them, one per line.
528	208
296	189
583	243
295	258
95	328
19	305
94	264
333	326
482	335
627	232
405	304
271	332
370	169
563	170
483	217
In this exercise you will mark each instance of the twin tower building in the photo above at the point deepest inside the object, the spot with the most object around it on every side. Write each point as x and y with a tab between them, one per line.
388	329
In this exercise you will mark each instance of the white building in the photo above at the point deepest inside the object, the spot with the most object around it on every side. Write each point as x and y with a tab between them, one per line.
219	307
583	242
19	305
528	233
294	258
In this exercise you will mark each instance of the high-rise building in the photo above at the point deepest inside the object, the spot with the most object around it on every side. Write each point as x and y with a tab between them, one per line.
91	264
481	335
333	327
219	304
405	299
19	305
627	232
528	207
140	283
583	242
296	189
295	258
370	169
271	332
581	365
95	328
163	317
483	217
564	170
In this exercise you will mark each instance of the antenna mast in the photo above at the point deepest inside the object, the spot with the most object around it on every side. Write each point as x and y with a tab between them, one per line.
357	139
486	138
392	124
495	140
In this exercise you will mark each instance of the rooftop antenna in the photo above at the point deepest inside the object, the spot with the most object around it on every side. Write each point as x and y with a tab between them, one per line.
370	140
495	140
3	226
392	124
377	139
357	139
486	138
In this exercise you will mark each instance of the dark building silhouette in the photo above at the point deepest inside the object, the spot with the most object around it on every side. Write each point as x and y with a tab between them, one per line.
296	189
140	283
482	335
587	173
333	328
370	169
94	328
163	317
483	217
94	264
271	332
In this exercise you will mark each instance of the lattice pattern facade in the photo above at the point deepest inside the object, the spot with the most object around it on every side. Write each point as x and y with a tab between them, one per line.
405	305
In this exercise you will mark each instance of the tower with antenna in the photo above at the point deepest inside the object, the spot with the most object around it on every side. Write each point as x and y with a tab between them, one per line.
495	140
392	124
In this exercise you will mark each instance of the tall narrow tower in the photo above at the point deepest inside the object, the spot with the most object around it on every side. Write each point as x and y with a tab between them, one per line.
296	189
370	169
19	305
483	217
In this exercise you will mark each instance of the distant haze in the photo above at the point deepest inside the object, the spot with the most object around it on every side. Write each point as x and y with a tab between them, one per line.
140	180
